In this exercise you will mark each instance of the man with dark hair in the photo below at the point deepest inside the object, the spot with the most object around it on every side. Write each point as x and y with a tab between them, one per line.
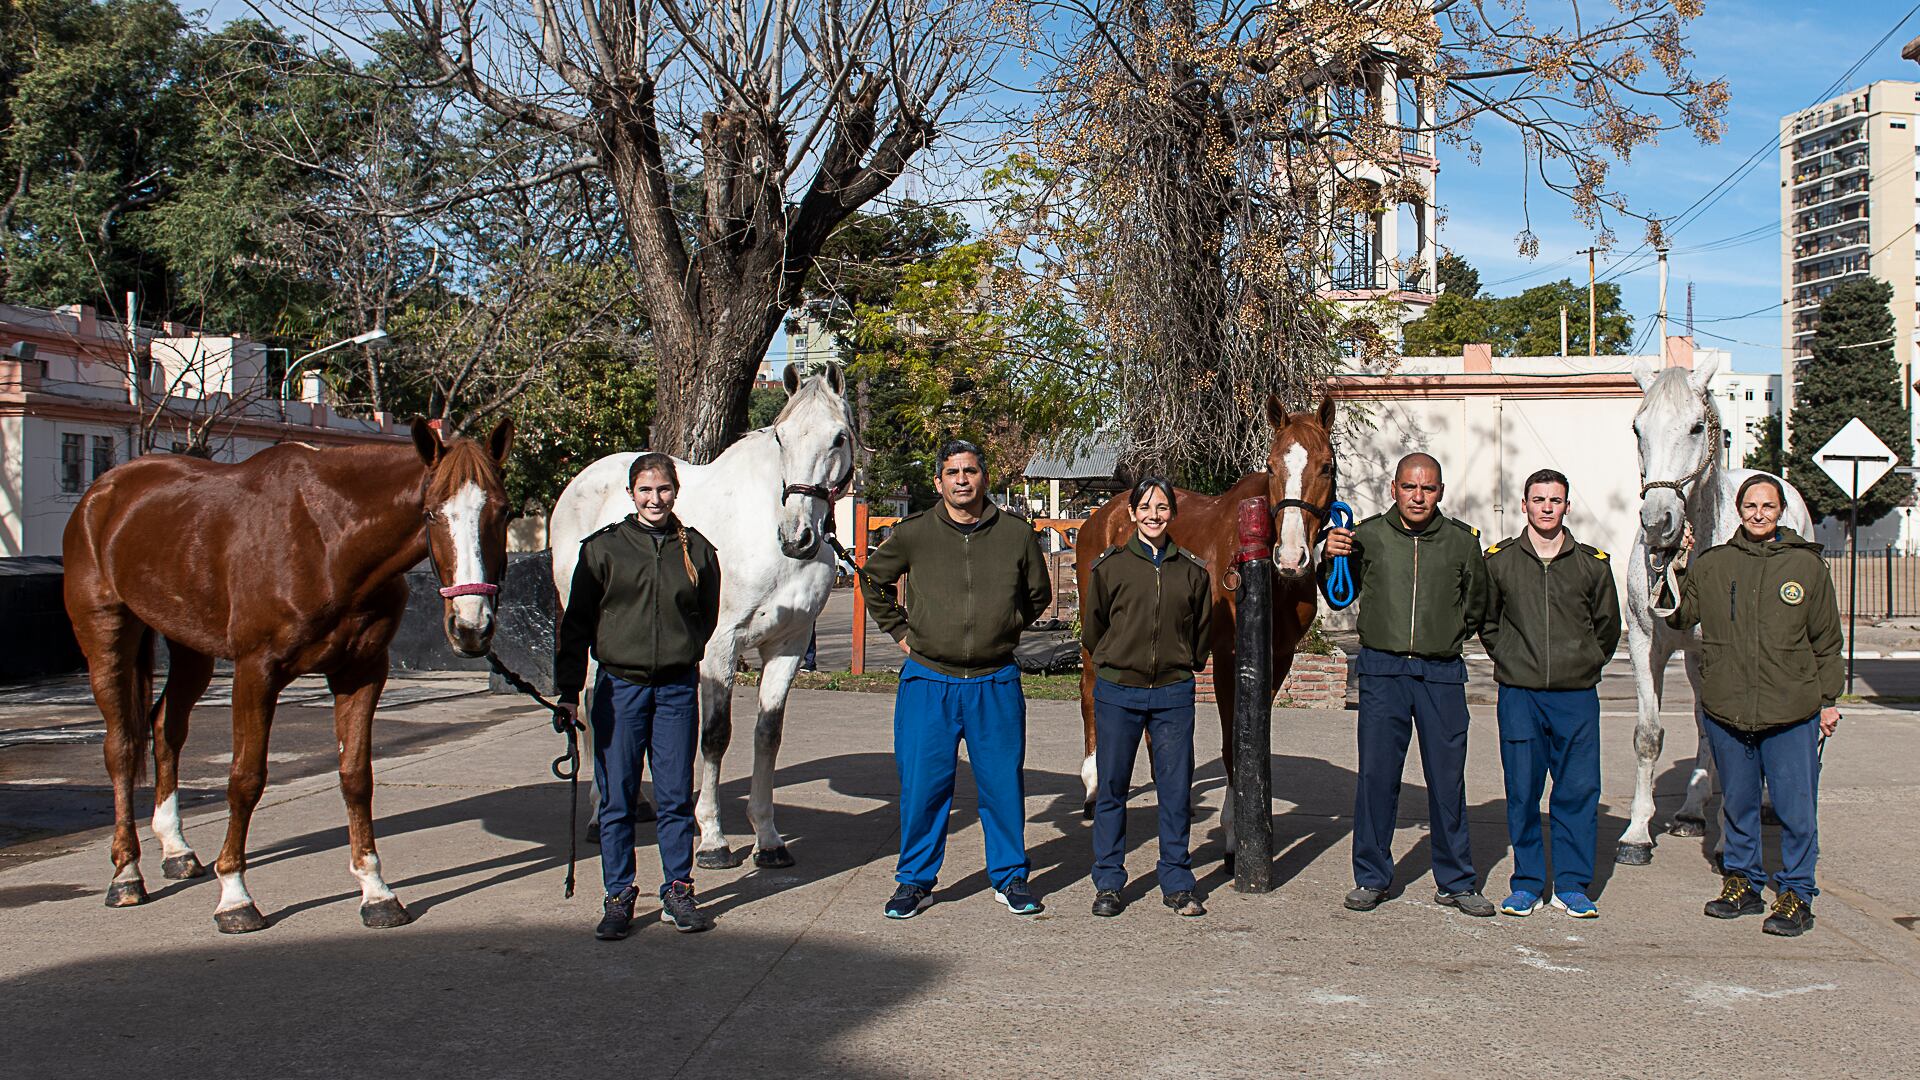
1423	589
1553	620
975	579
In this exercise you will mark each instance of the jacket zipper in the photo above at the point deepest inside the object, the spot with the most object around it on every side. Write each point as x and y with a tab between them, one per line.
966	639
1153	672
658	582
1546	593
1413	613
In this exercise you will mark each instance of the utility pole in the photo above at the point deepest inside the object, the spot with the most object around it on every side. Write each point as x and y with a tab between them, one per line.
1689	309
1593	308
1663	301
1563	331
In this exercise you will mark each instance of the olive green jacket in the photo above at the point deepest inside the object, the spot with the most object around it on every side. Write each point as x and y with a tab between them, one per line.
1769	630
1421	593
1551	624
635	606
968	594
1144	623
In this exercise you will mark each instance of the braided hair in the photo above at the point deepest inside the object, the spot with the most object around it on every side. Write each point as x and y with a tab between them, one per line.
663	463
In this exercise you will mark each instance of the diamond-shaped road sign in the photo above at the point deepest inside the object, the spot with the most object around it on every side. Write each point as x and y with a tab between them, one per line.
1855	446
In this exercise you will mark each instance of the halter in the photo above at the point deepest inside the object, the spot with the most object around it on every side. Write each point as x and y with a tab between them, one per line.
465	588
1679	486
1663	581
829	493
1322	513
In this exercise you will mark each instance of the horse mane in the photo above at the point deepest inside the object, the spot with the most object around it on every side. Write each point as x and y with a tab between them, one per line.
465	461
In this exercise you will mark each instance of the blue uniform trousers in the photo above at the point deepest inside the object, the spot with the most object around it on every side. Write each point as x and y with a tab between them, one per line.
932	712
1392	707
1165	715
635	724
1787	761
1553	732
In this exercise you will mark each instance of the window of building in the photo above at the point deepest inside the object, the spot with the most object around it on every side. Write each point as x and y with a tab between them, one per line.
1898	124
102	454
1769	395
1749	395
72	447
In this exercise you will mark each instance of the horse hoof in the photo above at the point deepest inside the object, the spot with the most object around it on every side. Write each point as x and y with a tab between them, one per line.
126	893
1633	854
716	859
240	920
593	832
384	914
1687	827
773	858
182	867
644	813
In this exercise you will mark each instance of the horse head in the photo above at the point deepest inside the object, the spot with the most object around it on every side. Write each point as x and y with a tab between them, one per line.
1302	482
814	435
1678	430
466	518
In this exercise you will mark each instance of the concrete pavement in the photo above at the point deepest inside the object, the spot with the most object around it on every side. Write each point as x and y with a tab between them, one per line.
498	976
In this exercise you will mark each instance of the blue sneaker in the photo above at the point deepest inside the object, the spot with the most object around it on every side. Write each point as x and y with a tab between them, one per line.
908	900
1018	898
1576	904
1522	903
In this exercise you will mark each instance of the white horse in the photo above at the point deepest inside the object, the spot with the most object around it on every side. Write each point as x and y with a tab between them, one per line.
1681	483
766	504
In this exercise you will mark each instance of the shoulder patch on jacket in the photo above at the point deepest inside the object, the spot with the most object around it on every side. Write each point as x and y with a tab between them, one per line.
1597	553
602	531
1464	525
1490	551
1197	560
1104	556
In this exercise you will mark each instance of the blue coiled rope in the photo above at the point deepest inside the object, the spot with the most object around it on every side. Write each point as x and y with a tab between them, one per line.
1337	587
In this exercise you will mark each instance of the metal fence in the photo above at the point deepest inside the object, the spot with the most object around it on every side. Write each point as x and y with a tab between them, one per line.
1889	584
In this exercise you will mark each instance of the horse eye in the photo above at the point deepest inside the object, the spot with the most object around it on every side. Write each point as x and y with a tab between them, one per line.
840	440
1699	427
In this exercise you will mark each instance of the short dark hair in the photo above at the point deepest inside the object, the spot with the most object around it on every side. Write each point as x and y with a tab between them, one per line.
1779	490
1545	476
653	463
953	447
1151	483
1415	460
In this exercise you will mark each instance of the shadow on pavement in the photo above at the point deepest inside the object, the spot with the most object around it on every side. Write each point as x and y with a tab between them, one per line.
512	1001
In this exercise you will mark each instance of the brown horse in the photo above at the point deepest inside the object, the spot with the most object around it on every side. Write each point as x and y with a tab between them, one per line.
1299	485
288	563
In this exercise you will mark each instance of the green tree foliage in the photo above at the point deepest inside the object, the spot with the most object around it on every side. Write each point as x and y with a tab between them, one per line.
1766	454
573	415
1852	373
1524	325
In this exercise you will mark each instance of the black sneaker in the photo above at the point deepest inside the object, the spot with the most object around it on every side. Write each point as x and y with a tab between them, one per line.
678	908
1018	898
1469	902
1791	917
619	917
1737	897
908	901
1106	903
1365	899
1184	904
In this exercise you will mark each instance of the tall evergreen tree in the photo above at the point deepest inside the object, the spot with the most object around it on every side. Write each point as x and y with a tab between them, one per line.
1766	454
1852	373
1457	277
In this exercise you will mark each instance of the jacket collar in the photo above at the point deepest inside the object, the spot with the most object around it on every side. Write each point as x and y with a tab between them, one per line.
1783	539
1433	527
670	529
1567	544
987	516
1139	547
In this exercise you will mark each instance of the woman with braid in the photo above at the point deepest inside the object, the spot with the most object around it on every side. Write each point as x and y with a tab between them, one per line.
646	597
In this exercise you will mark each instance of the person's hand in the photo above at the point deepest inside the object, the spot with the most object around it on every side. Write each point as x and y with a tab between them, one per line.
1829	719
1686	536
905	648
572	709
1339	542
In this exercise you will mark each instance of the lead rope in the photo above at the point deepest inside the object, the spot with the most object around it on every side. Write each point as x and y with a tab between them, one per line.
565	767
1668	580
1338	586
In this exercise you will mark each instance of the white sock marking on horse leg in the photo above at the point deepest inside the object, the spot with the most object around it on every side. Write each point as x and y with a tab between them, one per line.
166	827
372	886
129	872
1090	776
706	808
1699	788
233	891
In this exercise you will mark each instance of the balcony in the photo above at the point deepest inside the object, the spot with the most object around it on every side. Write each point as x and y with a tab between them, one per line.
1819	118
1831	190
1347	277
1840	242
1414	279
1830	217
1830	268
1826	143
1846	163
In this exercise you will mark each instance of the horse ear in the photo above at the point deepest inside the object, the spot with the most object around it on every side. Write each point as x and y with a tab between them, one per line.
1645	371
426	440
791	377
837	379
1276	411
500	440
1326	413
1706	366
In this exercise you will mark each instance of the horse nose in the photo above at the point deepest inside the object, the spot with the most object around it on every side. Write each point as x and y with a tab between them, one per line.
1290	562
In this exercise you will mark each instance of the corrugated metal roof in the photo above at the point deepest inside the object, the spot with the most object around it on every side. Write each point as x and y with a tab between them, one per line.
1096	461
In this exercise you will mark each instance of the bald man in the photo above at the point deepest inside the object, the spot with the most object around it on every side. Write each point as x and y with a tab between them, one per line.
1422	588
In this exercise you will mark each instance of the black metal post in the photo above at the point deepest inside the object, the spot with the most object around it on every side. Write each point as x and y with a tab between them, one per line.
1853	566
1253	701
1886	567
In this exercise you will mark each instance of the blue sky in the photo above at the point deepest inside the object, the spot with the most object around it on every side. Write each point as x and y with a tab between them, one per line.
1777	58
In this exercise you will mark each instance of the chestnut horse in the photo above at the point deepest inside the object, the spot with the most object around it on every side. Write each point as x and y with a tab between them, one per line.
1299	486
291	562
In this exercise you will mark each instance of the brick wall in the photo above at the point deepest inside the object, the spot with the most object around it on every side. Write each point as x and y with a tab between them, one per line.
1315	682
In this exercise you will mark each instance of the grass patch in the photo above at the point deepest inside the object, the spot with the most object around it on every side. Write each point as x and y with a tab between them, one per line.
1878	699
1038	687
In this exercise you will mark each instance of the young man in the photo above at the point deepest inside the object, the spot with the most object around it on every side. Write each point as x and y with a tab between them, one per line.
975	579
1423	592
1553	619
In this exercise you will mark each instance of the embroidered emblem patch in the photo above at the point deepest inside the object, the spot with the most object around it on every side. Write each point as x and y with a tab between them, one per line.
1792	593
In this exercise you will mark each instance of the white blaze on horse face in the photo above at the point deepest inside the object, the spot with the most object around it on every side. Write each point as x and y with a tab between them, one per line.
462	515
1294	550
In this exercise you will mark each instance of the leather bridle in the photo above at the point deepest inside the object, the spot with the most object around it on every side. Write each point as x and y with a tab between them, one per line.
1320	511
1680	486
829	493
464	588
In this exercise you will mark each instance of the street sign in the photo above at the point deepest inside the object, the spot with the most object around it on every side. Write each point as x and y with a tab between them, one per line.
1855	445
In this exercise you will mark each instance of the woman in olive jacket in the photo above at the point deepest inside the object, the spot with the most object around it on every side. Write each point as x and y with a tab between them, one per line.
1770	671
1145	612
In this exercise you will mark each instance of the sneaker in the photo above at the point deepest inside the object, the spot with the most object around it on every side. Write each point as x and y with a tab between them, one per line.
1106	903
1365	899
1018	898
1737	897
1184	904
1469	902
618	919
1521	904
1576	904
908	901
1791	917
677	906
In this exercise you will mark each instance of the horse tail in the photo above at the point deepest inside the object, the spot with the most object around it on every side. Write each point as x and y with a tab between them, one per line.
146	711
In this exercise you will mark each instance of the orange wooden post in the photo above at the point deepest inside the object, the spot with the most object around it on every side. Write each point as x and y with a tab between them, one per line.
859	664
